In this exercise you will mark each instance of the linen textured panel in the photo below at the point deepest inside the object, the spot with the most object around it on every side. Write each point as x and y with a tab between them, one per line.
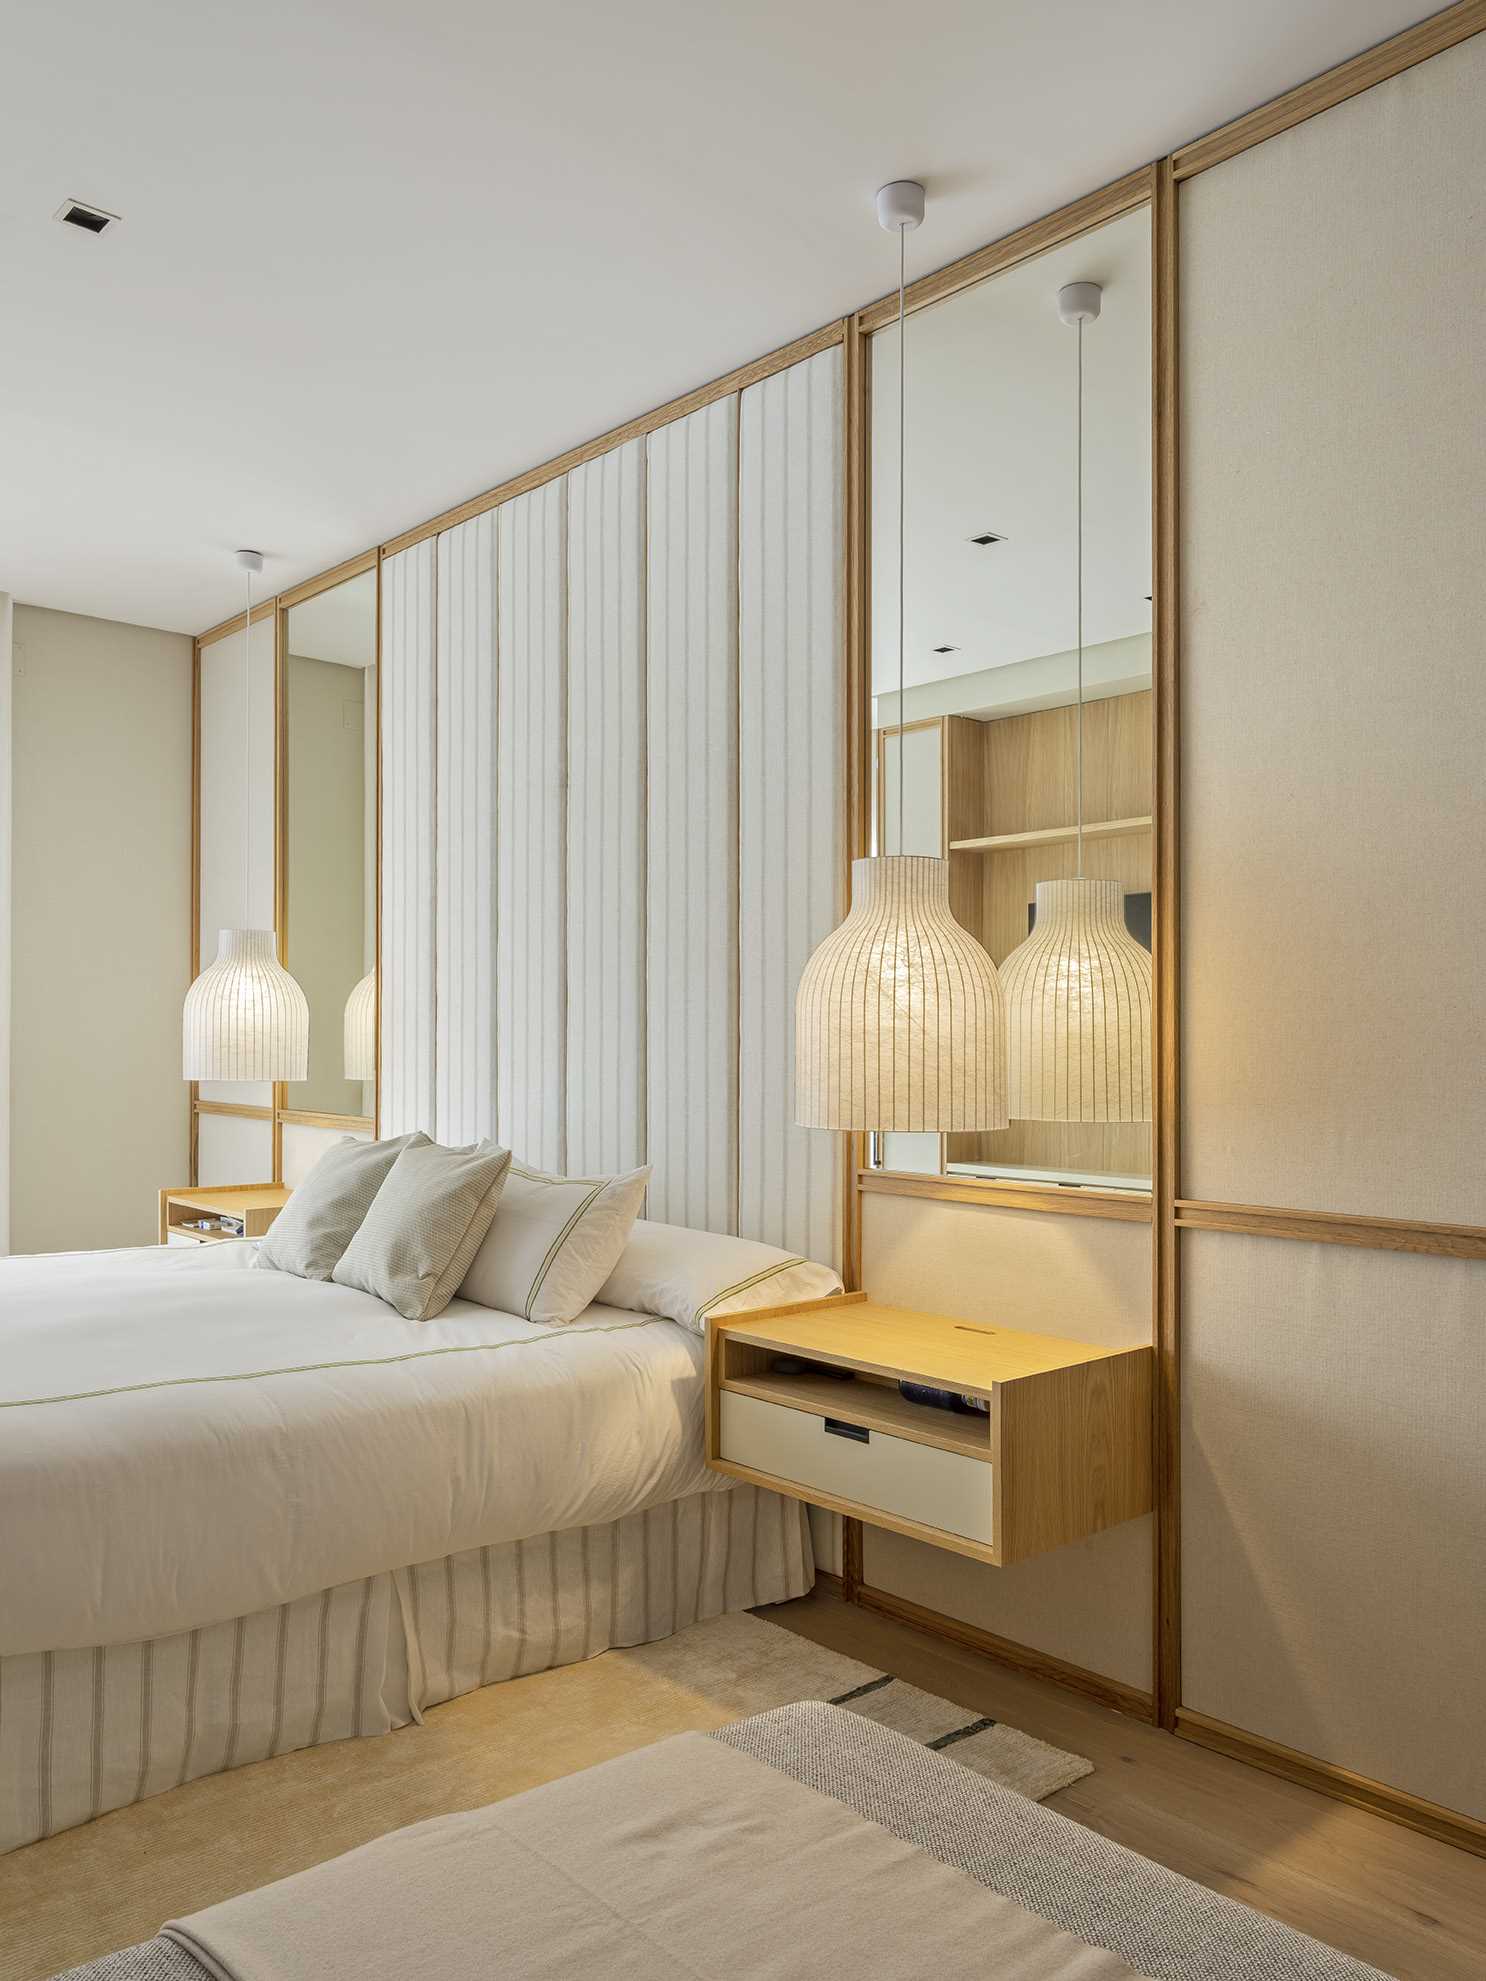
606	1082
531	859
409	686
1334	703
1088	1279
303	1147
230	1149
791	770
1333	1501
464	1107
692	819
237	807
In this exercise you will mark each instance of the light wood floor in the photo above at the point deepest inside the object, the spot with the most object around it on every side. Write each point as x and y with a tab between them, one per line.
1413	1907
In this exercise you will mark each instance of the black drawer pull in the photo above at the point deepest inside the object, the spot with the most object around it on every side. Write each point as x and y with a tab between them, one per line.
858	1433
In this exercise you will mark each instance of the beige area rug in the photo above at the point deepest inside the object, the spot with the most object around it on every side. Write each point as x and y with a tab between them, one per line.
116	1881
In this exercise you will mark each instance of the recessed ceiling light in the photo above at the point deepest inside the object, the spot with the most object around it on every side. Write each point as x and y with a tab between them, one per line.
946	650
91	219
988	536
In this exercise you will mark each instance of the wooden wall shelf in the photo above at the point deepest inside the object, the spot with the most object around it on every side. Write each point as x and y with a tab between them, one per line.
1053	835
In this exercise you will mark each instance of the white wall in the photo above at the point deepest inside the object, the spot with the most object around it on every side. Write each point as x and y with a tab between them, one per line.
101	871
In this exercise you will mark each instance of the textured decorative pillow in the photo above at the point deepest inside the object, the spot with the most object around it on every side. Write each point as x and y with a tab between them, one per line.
324	1213
425	1225
687	1275
554	1243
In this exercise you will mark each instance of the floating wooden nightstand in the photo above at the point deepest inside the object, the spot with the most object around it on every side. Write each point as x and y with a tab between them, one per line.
1063	1451
257	1204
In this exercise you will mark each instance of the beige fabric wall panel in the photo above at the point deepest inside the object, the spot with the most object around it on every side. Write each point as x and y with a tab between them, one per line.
790	778
1334	702
237	805
99	929
531	785
692	821
464	1044
1334	1503
230	1149
408	820
606	1026
303	1147
1088	1279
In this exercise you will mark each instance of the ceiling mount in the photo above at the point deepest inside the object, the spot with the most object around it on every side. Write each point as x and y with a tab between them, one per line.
250	560
900	205
1078	302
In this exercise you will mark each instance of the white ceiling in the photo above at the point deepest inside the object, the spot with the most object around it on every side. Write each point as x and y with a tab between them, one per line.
377	257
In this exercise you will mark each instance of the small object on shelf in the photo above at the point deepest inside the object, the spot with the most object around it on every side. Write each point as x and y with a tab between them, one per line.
936	1399
792	1365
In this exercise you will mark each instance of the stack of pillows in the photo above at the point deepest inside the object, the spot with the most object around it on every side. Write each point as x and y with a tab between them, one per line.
416	1224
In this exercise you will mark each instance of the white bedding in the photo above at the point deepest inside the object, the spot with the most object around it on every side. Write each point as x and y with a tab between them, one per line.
183	1440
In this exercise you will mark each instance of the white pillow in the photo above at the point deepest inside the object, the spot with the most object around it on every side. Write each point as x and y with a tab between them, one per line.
688	1275
554	1242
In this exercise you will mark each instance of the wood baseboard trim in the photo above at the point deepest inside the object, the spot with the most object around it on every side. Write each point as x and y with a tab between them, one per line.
1448	1825
1018	1657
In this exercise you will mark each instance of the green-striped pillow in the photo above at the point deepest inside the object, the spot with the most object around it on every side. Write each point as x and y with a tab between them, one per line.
554	1242
691	1276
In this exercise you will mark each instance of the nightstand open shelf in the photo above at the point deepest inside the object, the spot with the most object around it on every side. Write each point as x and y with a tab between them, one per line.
256	1204
1062	1450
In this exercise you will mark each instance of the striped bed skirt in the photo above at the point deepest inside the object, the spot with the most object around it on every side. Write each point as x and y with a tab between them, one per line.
86	1731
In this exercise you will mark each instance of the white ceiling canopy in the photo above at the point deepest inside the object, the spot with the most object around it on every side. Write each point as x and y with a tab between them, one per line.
373	259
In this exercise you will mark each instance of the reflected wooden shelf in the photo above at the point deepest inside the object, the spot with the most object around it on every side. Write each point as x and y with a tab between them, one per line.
1053	835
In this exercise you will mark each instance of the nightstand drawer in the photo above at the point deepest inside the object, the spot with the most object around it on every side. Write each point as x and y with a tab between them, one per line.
895	1475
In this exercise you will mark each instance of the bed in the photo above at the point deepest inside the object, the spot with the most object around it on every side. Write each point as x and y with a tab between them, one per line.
801	1842
247	1512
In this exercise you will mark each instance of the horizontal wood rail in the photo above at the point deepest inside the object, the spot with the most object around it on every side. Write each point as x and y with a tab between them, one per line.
1076	1200
1380	1234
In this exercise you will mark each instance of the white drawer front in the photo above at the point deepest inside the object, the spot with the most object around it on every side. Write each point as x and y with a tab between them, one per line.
915	1481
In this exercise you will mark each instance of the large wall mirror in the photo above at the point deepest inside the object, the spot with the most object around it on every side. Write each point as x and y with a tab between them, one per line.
330	852
994	560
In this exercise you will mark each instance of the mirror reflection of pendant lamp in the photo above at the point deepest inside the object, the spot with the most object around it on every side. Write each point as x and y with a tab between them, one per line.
1078	990
361	1030
900	1024
245	1017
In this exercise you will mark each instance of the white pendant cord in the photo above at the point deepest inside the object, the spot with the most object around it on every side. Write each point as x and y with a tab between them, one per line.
247	920
1080	592
902	482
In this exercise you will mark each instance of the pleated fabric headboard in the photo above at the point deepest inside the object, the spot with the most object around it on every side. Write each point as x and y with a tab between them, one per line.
612	812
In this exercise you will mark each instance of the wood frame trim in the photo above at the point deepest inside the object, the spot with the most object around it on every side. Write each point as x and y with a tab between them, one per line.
1374	65
326	581
225	628
1110	1692
1430	1818
193	1089
1378	1234
1124	1206
856	382
239	1110
1165	884
280	842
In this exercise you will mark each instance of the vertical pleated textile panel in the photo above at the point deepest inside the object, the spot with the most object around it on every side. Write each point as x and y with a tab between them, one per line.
790	780
692	820
465	1053
408	845
606	1082
530	853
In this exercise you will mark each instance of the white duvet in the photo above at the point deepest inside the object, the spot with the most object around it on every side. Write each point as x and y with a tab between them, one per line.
183	1440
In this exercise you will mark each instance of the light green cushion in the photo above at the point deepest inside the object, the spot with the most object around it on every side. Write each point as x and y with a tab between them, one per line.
324	1212
425	1225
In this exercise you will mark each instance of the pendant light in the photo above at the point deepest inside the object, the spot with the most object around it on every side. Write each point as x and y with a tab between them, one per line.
245	1017
360	1030
1078	990
900	1024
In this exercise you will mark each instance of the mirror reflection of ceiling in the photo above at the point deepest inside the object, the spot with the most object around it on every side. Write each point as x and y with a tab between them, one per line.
338	625
991	446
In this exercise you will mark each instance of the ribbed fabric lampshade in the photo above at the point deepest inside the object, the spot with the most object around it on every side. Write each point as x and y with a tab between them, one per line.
900	1023
246	1018
361	1030
1078	994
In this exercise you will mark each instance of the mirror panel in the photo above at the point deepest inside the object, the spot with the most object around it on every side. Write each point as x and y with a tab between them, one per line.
989	730
330	728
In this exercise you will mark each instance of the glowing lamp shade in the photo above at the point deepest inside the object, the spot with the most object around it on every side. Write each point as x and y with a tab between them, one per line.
245	1017
1078	995
361	1030
900	1022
